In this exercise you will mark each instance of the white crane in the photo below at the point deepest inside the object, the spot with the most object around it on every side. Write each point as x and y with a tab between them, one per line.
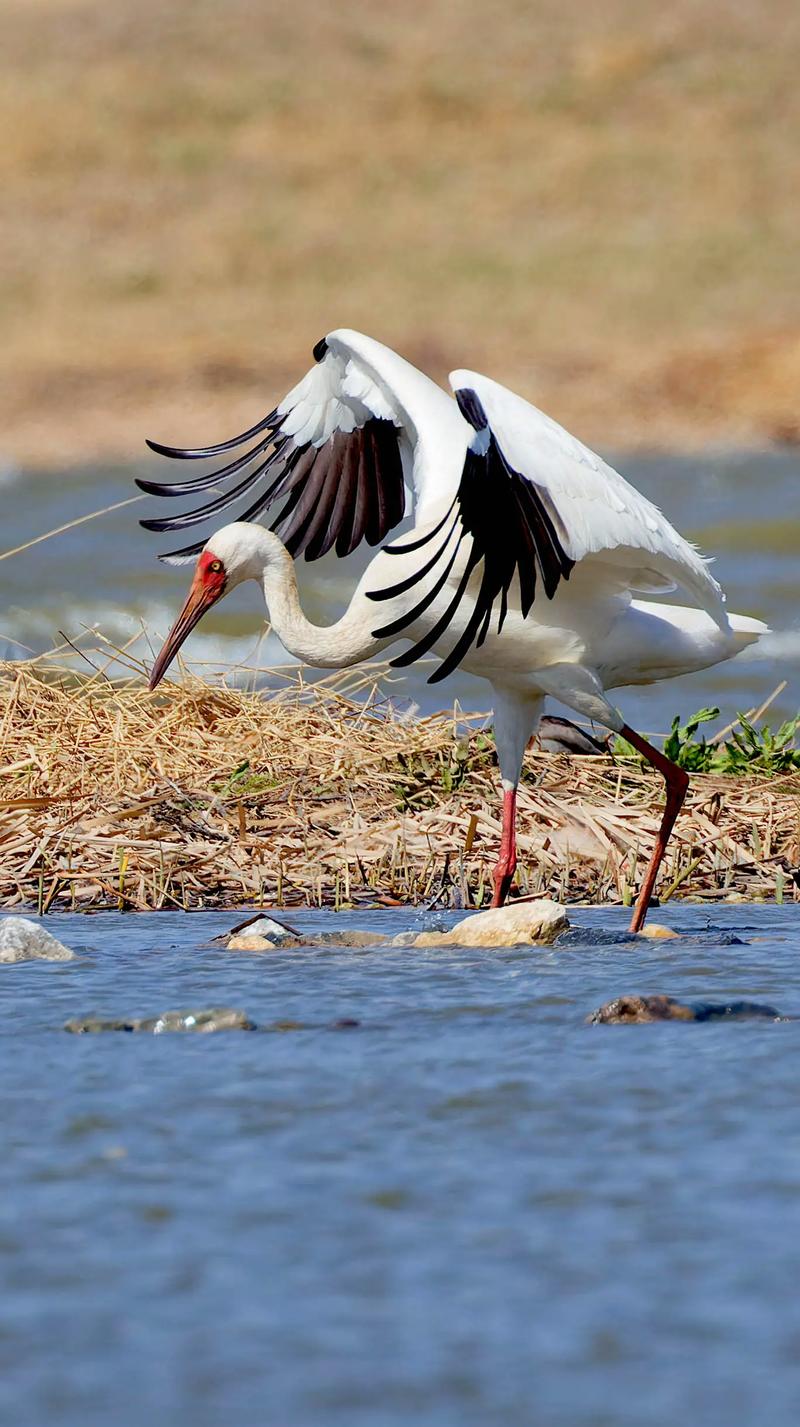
522	565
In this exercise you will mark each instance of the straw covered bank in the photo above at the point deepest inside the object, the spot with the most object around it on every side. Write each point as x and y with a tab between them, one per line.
210	796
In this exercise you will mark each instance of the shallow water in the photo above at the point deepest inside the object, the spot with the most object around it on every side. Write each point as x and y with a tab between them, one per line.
470	1209
741	507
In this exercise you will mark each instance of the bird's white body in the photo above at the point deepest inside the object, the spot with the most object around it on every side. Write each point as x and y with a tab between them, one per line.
575	649
527	560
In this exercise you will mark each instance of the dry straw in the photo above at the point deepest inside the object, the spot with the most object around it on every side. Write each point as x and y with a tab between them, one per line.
215	796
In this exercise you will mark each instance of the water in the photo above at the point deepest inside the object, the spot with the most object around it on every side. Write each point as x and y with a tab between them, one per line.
471	1209
739	506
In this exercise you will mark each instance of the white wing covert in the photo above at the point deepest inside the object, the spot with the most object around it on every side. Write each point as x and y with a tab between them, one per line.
600	514
512	527
532	502
335	450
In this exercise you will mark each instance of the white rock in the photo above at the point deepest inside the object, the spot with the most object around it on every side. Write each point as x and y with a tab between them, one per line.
266	927
520	924
21	940
246	942
259	934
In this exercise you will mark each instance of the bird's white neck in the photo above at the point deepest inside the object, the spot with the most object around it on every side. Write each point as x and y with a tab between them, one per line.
332	646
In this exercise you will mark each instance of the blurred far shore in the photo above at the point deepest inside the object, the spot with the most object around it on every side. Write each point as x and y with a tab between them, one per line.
597	205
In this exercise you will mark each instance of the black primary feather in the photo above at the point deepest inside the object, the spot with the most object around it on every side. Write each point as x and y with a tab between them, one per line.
512	527
207	482
198	453
349	489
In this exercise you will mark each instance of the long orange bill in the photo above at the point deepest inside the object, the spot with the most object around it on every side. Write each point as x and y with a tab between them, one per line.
199	599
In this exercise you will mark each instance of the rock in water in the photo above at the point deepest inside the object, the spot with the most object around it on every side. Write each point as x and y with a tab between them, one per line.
217	1018
632	1010
260	933
93	1025
21	940
641	1010
520	924
656	931
253	940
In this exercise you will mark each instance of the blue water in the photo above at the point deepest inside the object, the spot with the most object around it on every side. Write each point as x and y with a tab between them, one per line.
470	1209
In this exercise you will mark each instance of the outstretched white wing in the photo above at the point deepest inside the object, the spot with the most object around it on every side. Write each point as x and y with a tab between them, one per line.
532	502
336	450
598	513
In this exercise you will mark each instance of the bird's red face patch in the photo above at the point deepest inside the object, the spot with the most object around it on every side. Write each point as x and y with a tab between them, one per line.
208	585
210	573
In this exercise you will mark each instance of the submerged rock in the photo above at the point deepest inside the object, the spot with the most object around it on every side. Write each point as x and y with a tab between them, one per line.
349	939
345	1023
265	934
639	1010
215	1018
266	926
656	931
252	941
21	940
260	933
218	1018
92	1025
521	924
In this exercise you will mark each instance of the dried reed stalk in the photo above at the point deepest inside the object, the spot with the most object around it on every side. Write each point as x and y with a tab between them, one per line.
213	796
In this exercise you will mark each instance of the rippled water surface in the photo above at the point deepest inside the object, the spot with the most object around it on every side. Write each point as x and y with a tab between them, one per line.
471	1208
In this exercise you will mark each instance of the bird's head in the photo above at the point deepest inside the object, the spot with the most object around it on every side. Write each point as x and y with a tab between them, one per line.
234	554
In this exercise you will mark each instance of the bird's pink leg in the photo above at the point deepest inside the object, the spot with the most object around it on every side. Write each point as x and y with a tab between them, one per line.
507	862
677	782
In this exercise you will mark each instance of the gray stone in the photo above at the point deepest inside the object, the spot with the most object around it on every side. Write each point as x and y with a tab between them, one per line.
352	938
523	923
216	1018
252	940
21	940
260	933
92	1025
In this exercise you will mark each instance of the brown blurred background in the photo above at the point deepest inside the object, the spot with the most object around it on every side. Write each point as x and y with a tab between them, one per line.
596	203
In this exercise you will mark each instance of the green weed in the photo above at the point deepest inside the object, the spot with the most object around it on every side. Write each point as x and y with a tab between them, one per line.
748	749
425	778
243	782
